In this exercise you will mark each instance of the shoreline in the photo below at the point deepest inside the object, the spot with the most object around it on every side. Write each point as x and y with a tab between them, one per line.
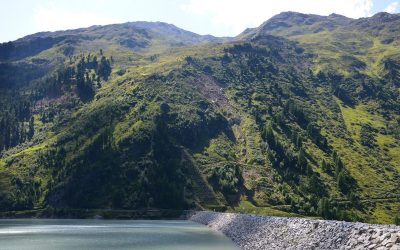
269	232
73	213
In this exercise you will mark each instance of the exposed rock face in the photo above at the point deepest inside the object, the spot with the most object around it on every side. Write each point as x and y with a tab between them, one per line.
266	232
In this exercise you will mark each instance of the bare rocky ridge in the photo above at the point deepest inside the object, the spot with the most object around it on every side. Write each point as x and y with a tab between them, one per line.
267	232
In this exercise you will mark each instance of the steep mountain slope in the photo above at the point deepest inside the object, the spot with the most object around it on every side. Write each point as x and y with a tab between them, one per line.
359	57
145	115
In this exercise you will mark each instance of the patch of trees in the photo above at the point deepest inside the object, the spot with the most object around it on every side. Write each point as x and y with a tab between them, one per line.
345	182
299	115
397	220
392	68
14	75
314	133
313	185
358	87
16	125
341	87
367	137
17	193
332	210
84	72
254	63
226	178
281	156
247	48
88	74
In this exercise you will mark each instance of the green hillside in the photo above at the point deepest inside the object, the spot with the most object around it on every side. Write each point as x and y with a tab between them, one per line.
298	117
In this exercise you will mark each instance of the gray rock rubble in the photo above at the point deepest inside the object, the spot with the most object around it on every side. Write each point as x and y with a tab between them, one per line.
268	232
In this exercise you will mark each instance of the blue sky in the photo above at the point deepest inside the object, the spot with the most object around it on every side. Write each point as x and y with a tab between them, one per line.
216	17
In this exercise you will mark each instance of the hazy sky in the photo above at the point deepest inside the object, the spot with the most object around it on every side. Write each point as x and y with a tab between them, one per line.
216	17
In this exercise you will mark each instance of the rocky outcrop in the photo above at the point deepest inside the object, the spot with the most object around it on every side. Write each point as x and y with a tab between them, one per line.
267	232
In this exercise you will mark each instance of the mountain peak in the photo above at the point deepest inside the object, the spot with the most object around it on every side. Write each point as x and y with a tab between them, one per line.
384	17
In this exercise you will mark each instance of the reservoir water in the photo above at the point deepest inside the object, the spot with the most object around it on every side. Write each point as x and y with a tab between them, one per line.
63	234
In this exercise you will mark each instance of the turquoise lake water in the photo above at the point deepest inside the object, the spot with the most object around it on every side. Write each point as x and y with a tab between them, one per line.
74	234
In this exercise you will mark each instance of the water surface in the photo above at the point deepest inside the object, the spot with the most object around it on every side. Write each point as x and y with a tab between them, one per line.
109	234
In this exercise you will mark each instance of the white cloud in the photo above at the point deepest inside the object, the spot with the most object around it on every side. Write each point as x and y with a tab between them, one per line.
53	17
391	8
236	15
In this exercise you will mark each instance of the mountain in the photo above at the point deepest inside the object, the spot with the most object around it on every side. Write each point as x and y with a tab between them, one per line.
299	116
359	44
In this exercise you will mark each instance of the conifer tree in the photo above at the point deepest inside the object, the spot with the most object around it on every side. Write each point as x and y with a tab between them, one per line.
302	160
324	208
324	166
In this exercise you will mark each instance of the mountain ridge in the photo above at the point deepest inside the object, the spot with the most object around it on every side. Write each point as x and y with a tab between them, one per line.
283	15
142	24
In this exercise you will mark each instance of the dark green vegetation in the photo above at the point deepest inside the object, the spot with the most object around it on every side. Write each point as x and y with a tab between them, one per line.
297	117
79	213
